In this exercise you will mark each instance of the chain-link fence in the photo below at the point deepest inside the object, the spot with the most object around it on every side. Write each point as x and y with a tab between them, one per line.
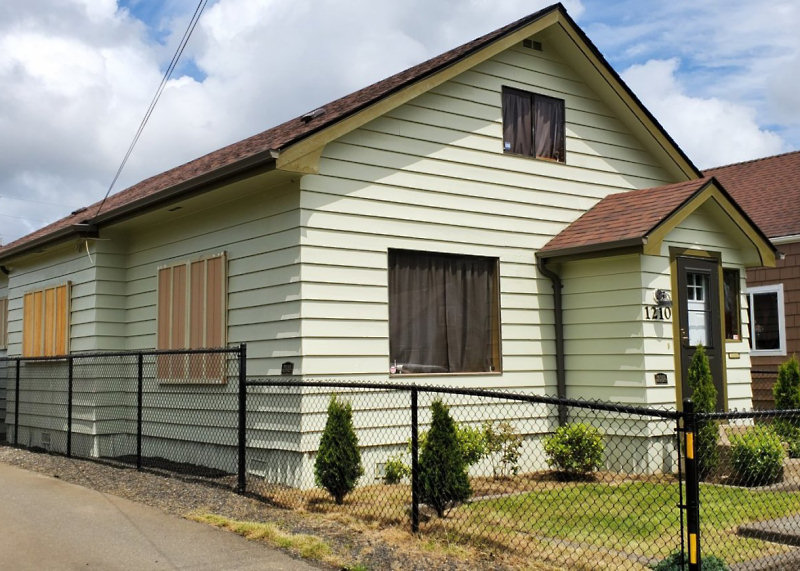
616	487
171	410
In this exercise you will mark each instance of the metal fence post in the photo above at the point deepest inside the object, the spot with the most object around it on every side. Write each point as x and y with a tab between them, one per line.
69	405
241	488
16	405
139	406
692	485
414	463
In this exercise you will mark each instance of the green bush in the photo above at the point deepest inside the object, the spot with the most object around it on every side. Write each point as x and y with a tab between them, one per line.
396	470
704	396
503	446
443	479
337	467
787	386
677	562
794	448
575	449
757	456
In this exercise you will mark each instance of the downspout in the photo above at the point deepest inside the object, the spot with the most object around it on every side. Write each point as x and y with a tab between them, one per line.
558	311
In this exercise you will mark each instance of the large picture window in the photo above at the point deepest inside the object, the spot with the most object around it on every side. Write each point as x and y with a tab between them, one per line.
767	329
533	125
45	322
191	315
443	313
3	322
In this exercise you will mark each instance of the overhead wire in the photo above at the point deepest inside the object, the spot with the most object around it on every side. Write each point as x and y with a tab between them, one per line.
167	74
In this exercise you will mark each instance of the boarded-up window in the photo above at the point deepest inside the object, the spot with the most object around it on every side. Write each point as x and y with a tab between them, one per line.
191	315
533	125
3	322
45	322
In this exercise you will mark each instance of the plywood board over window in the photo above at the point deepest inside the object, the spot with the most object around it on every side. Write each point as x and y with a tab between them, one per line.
3	322
45	322
191	315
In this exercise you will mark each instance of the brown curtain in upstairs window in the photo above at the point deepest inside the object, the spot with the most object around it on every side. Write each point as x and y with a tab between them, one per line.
548	134
440	312
517	122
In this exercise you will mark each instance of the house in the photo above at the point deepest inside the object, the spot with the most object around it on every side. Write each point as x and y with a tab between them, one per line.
516	172
768	189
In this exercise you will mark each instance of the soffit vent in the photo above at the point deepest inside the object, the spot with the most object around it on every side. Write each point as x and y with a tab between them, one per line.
532	45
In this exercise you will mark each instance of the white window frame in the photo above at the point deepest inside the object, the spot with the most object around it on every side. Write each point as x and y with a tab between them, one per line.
771	288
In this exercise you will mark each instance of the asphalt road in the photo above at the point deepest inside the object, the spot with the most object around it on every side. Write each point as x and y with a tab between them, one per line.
49	524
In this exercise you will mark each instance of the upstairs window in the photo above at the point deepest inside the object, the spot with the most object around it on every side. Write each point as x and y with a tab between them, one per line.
3	322
443	313
767	329
191	315
533	125
45	322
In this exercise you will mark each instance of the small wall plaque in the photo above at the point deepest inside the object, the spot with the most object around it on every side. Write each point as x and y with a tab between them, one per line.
661	378
287	368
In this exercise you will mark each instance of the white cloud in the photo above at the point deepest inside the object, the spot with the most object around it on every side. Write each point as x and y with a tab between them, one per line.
710	130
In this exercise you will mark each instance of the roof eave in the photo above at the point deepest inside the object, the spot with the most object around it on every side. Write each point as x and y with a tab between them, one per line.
71	231
614	248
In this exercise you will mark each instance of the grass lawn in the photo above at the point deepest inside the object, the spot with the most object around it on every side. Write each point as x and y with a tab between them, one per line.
615	522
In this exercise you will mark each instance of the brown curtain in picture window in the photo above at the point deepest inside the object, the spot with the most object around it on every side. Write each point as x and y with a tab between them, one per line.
548	133
440	312
517	122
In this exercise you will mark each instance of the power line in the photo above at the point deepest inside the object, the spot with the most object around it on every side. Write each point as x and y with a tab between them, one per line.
172	64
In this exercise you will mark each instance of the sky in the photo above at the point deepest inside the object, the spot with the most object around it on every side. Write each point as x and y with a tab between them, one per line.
76	77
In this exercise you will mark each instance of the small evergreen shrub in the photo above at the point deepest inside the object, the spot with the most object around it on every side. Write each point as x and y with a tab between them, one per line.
443	479
503	446
787	397
677	562
704	396
337	466
396	470
787	386
575	449
794	448
757	456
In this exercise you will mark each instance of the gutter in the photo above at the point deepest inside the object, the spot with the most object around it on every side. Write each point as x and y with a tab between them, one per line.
558	310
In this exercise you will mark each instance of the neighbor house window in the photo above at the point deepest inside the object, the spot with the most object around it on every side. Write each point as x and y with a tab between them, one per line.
730	284
45	322
443	313
767	329
191	315
533	125
3	322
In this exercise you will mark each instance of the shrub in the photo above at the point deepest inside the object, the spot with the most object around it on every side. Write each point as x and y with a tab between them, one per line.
704	396
575	449
338	463
395	470
442	469
503	446
757	456
677	562
794	448
787	386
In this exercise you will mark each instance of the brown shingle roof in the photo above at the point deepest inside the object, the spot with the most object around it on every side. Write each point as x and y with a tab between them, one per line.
622	220
768	189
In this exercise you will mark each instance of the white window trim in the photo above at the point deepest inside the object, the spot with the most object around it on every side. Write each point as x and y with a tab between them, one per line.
771	288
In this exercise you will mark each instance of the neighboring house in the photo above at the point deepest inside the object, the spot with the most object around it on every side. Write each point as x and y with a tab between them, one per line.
769	190
506	214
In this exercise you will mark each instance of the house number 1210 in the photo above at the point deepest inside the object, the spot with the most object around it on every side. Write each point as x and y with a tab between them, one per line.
657	312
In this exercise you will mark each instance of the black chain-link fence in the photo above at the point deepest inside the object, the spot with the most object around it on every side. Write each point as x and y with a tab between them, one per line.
171	410
615	488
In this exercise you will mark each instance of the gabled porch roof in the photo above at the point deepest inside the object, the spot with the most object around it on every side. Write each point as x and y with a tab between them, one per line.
639	220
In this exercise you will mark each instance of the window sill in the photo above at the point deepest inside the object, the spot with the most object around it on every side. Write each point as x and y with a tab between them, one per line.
464	374
768	353
547	159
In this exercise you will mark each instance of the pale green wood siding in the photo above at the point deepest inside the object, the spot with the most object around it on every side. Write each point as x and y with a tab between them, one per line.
431	175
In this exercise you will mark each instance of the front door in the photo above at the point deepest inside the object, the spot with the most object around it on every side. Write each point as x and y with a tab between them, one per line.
700	319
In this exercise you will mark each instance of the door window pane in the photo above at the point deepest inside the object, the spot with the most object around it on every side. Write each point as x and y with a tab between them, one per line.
698	309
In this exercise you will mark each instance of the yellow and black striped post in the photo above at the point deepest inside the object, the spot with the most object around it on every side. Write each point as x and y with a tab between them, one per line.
692	486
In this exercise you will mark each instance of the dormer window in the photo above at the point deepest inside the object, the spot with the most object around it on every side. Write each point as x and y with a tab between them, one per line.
533	125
